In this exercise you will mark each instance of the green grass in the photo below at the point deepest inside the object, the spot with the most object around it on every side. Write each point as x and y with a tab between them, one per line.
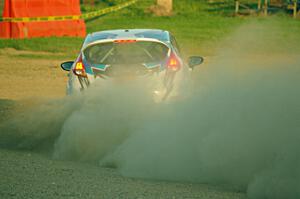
52	44
196	28
42	56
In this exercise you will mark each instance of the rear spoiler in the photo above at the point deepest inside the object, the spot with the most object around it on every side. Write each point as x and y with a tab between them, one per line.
125	39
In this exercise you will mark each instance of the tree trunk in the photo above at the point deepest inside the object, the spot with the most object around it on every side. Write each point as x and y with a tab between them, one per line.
166	4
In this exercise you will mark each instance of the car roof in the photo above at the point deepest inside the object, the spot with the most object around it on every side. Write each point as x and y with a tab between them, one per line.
160	35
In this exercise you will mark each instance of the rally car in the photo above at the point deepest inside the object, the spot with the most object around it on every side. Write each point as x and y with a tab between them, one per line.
129	54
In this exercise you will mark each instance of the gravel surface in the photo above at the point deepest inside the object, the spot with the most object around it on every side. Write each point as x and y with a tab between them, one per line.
27	174
32	175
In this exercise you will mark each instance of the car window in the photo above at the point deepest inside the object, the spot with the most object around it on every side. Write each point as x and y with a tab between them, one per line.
139	52
154	34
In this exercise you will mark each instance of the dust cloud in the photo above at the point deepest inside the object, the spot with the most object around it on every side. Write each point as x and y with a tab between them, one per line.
34	124
107	116
240	125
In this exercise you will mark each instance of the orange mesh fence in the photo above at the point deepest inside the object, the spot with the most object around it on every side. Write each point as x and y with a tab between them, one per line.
65	12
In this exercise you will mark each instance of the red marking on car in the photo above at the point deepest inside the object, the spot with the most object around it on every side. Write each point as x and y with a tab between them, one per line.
121	41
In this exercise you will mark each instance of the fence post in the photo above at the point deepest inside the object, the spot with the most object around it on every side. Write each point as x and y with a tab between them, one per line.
259	5
237	6
266	7
295	9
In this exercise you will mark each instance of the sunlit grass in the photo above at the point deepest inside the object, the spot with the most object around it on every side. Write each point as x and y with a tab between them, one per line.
197	29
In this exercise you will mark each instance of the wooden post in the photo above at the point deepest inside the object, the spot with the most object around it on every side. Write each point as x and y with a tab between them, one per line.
237	7
266	8
25	31
91	2
259	5
295	9
166	4
1	7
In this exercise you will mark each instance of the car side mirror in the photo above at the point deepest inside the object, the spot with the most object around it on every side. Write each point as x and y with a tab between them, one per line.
67	65
195	61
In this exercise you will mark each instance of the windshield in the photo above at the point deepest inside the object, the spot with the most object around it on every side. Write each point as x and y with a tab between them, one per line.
139	52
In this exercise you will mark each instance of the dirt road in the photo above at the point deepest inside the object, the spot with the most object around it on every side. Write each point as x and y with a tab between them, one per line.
31	175
28	77
34	174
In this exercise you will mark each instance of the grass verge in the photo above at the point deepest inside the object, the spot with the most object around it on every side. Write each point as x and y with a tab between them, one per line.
197	29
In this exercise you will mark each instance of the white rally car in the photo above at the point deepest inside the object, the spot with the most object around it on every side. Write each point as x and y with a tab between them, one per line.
128	54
